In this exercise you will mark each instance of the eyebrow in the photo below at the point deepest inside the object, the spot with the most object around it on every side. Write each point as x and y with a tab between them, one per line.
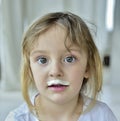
38	51
45	51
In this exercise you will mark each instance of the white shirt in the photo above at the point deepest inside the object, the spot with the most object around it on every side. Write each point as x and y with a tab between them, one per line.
100	112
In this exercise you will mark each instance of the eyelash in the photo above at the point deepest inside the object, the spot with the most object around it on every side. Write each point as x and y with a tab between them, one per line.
69	59
42	57
42	60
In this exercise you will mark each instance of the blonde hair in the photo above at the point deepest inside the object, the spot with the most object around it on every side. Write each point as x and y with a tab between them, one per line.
79	34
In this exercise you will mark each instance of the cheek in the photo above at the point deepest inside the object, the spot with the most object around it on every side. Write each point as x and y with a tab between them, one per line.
38	82
77	83
78	73
35	70
76	86
35	73
38	76
77	77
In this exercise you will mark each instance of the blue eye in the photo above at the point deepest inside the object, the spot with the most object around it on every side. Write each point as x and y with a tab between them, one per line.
69	59
42	60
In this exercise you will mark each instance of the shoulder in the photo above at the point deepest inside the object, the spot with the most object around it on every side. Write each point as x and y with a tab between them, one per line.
100	112
102	109
22	113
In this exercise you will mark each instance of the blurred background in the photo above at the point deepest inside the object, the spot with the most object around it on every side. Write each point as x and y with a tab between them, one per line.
16	15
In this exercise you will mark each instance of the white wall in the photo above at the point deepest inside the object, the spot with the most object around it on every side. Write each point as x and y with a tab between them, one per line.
115	50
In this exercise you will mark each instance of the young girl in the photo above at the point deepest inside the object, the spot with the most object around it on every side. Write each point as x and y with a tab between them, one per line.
61	59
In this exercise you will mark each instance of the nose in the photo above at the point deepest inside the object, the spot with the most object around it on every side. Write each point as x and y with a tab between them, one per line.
55	70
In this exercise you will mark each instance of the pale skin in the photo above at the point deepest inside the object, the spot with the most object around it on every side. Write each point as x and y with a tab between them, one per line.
50	59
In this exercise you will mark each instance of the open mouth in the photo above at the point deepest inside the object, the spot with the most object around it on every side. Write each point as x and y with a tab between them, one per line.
57	85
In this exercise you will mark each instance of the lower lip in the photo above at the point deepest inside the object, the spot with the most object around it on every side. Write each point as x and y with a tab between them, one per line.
58	88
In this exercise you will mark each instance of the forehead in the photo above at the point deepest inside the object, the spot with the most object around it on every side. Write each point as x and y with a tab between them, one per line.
54	36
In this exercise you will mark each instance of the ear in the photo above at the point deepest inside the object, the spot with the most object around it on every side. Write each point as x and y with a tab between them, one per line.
87	74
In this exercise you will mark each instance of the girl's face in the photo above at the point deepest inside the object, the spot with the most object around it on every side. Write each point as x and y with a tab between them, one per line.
50	60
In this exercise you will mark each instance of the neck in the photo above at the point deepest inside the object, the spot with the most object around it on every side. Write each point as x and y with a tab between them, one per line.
51	111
